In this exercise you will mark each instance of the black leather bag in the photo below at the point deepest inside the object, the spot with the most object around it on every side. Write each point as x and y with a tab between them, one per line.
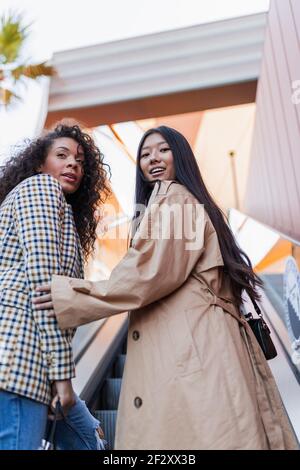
261	332
48	443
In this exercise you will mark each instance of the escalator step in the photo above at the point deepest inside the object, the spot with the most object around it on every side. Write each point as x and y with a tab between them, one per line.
110	394
108	420
119	365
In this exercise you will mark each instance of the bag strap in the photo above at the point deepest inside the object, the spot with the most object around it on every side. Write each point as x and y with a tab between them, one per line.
256	307
51	435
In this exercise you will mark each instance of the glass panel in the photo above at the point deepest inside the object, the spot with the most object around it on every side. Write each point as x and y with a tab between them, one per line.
277	261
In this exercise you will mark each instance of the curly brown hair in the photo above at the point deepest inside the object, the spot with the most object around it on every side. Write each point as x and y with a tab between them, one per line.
94	188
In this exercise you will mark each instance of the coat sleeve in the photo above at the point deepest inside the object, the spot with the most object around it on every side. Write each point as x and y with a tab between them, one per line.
158	262
38	214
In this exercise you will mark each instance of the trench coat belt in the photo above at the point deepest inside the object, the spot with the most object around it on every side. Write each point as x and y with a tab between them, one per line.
228	306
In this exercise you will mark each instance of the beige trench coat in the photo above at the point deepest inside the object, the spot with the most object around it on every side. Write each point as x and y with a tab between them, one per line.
195	377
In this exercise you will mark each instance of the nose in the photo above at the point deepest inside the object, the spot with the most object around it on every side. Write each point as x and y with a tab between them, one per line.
154	157
72	163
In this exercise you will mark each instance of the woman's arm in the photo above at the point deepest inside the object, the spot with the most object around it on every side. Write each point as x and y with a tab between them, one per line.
38	214
154	266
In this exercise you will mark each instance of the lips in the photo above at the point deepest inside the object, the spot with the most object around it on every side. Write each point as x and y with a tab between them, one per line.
157	170
70	177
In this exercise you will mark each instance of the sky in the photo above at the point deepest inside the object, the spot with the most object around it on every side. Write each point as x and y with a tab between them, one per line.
65	24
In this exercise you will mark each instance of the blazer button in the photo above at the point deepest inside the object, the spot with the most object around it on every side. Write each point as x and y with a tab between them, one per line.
138	402
135	335
51	361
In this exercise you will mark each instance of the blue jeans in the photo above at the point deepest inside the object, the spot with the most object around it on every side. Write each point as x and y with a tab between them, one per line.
78	430
22	422
23	425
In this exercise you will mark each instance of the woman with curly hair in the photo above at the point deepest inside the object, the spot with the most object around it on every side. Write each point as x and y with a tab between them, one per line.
48	195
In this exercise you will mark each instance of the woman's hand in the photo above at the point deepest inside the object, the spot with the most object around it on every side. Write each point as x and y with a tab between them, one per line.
43	302
64	392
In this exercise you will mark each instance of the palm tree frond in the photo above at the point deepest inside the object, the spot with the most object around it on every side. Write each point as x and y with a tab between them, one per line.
12	36
6	96
33	71
12	69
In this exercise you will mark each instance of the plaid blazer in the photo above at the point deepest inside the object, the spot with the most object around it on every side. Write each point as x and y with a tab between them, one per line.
38	238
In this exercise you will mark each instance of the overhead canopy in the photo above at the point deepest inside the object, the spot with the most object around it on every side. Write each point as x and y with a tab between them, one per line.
189	69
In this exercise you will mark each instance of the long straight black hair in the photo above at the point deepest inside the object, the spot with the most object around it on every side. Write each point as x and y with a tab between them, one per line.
237	264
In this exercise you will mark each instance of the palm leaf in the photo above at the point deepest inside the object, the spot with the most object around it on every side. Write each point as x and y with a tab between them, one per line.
12	36
33	71
6	96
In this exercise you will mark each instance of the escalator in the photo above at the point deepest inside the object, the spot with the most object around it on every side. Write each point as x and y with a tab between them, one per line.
100	352
108	401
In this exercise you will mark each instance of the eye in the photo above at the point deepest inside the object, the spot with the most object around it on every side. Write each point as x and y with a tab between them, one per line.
165	149
61	155
144	155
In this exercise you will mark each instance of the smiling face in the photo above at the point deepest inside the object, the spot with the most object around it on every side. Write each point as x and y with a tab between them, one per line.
65	162
156	159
